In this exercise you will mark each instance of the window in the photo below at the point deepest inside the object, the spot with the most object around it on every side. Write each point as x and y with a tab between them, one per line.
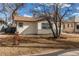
77	26
67	25
71	25
20	24
45	26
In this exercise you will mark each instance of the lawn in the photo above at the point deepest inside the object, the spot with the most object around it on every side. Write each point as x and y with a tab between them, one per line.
35	45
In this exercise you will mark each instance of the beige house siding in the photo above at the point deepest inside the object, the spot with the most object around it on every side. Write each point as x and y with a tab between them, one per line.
68	27
28	28
33	28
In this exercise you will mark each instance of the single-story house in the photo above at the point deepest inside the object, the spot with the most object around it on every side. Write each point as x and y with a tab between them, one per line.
29	25
71	25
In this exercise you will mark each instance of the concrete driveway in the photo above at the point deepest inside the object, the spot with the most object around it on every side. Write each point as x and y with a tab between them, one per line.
64	52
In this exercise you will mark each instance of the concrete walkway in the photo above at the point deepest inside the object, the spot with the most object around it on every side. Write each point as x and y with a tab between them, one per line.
70	52
64	52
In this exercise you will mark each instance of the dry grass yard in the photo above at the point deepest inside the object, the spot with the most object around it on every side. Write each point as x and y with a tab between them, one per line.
17	51
33	46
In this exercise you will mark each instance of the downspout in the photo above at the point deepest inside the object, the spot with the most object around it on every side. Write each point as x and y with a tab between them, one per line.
74	25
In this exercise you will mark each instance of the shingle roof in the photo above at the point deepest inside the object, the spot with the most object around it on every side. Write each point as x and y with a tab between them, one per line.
24	19
27	19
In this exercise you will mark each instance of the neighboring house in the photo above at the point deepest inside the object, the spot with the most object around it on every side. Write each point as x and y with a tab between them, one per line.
5	28
1	24
71	25
29	25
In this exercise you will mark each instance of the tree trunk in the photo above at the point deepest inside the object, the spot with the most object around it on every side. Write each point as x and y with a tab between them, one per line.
56	26
60	28
51	27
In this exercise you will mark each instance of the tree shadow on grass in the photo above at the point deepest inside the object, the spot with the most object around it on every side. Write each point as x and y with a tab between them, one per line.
60	43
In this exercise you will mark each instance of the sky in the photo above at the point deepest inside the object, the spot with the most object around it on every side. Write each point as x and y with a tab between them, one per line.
26	10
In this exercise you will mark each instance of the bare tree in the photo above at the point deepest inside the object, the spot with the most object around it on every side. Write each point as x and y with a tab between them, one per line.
10	9
14	10
50	13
